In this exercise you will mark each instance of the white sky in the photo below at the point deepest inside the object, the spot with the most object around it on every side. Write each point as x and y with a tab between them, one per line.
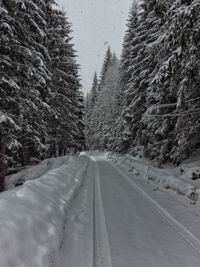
94	23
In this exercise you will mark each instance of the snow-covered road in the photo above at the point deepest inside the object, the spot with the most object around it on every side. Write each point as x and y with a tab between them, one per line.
113	223
90	213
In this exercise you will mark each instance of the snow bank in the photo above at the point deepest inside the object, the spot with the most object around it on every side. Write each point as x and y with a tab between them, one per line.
145	169
32	218
180	187
35	171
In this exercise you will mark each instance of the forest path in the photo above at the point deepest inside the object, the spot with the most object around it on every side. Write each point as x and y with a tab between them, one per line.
114	223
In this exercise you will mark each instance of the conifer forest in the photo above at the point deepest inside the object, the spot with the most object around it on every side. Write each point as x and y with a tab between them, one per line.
99	133
41	101
150	97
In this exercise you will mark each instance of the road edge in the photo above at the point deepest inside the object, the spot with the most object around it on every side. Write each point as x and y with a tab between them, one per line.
180	229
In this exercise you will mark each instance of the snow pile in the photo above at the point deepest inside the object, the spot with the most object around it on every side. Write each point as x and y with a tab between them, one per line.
32	219
180	187
35	171
145	169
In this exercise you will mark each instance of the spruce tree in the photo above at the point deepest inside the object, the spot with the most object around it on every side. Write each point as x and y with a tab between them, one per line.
103	115
9	90
174	87
65	128
90	103
159	84
94	90
23	75
106	64
121	128
40	91
126	57
27	73
94	102
143	48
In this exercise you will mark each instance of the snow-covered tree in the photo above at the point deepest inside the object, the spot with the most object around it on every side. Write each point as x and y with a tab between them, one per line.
94	90
39	82
173	94
121	129
23	78
89	107
24	74
104	111
65	129
106	64
138	63
126	57
158	87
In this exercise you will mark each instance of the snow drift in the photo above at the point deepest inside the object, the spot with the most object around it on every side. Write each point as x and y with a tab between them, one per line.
36	171
145	169
31	221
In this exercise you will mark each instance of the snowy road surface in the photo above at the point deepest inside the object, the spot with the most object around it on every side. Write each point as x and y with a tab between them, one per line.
89	213
113	223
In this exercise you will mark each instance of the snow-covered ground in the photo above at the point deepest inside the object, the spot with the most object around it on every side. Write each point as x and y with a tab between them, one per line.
179	179
32	216
141	232
96	210
33	172
141	171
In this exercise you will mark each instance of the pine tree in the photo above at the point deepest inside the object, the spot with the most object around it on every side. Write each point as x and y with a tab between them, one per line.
170	100
186	28
87	118
22	74
121	128
94	102
91	100
143	48
159	84
126	57
65	129
106	64
28	107
104	112
9	89
26	75
94	90
81	140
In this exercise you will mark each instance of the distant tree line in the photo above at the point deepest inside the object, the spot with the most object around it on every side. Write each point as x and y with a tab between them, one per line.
41	104
151	98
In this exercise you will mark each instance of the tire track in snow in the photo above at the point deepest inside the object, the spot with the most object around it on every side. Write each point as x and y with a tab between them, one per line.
101	247
180	229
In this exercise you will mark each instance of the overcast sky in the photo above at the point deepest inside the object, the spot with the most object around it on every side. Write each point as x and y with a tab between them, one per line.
96	23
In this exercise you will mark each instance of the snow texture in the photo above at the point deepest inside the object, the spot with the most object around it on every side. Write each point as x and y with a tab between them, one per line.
165	177
31	223
34	172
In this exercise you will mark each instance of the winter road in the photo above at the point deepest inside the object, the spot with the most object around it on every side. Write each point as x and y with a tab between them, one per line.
113	223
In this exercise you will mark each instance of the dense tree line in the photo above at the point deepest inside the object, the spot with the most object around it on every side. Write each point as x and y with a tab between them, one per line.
101	103
157	96
41	104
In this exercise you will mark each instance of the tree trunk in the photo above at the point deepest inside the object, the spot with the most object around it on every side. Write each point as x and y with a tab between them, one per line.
24	153
2	160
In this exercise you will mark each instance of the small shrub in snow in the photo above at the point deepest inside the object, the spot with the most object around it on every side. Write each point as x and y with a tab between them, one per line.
196	174
157	175
181	188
